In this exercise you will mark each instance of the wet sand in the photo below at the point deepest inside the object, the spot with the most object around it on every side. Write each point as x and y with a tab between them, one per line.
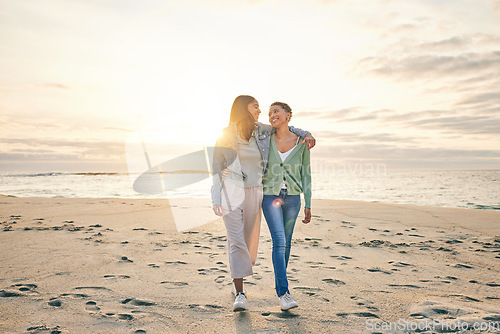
81	265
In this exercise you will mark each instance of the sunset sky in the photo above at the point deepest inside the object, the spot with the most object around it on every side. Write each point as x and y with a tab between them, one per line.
407	83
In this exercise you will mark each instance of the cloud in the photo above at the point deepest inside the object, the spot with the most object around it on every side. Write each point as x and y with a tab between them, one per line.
358	114
352	114
328	114
60	142
482	98
462	124
452	43
37	156
30	151
52	85
357	137
406	57
412	67
416	127
393	152
117	129
103	149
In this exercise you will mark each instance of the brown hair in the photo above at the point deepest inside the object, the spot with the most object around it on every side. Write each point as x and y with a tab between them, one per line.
245	123
284	106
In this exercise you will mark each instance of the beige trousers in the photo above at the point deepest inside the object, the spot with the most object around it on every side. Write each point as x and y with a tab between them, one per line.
243	230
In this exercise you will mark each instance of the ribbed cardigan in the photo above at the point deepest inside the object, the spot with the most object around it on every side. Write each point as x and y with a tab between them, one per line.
295	171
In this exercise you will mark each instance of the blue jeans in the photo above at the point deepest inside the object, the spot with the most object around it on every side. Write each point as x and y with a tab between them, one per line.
281	213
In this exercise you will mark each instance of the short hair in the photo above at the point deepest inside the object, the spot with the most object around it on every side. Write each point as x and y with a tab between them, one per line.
284	106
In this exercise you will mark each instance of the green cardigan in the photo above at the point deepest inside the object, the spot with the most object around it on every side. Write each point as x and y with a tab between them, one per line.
295	170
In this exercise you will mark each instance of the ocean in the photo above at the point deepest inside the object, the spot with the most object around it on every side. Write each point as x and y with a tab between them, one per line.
474	189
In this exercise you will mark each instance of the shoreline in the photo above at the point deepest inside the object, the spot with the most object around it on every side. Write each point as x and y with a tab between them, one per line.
483	207
120	265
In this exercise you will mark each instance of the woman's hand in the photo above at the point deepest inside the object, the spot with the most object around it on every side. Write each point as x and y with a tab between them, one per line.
309	139
307	214
218	210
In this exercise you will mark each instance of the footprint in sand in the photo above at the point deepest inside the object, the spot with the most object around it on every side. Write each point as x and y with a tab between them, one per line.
314	264
358	314
74	295
44	329
174	285
204	247
6	294
333	281
405	286
220	279
347	224
124	316
55	302
161	244
307	290
116	276
378	270
205	271
400	264
466	298
92	307
25	287
137	302
175	262
206	307
92	288
370	307
454	241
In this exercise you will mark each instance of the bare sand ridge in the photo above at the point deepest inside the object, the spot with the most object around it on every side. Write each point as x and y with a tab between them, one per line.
120	266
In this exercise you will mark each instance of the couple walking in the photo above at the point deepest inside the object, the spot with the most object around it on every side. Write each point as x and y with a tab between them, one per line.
258	166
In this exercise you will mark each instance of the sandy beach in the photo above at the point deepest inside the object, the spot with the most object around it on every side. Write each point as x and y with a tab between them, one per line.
82	265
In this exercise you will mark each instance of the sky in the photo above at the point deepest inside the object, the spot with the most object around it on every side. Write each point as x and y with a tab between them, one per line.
407	84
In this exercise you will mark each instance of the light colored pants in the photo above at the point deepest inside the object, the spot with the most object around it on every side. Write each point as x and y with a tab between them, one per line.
243	230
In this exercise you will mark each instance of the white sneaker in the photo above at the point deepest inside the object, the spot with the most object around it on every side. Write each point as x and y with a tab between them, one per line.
287	302
234	290
240	302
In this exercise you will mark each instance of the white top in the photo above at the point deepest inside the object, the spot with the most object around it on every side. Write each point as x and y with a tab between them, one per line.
283	157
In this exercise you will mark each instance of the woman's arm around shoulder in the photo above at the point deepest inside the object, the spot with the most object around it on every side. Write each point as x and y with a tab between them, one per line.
308	137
